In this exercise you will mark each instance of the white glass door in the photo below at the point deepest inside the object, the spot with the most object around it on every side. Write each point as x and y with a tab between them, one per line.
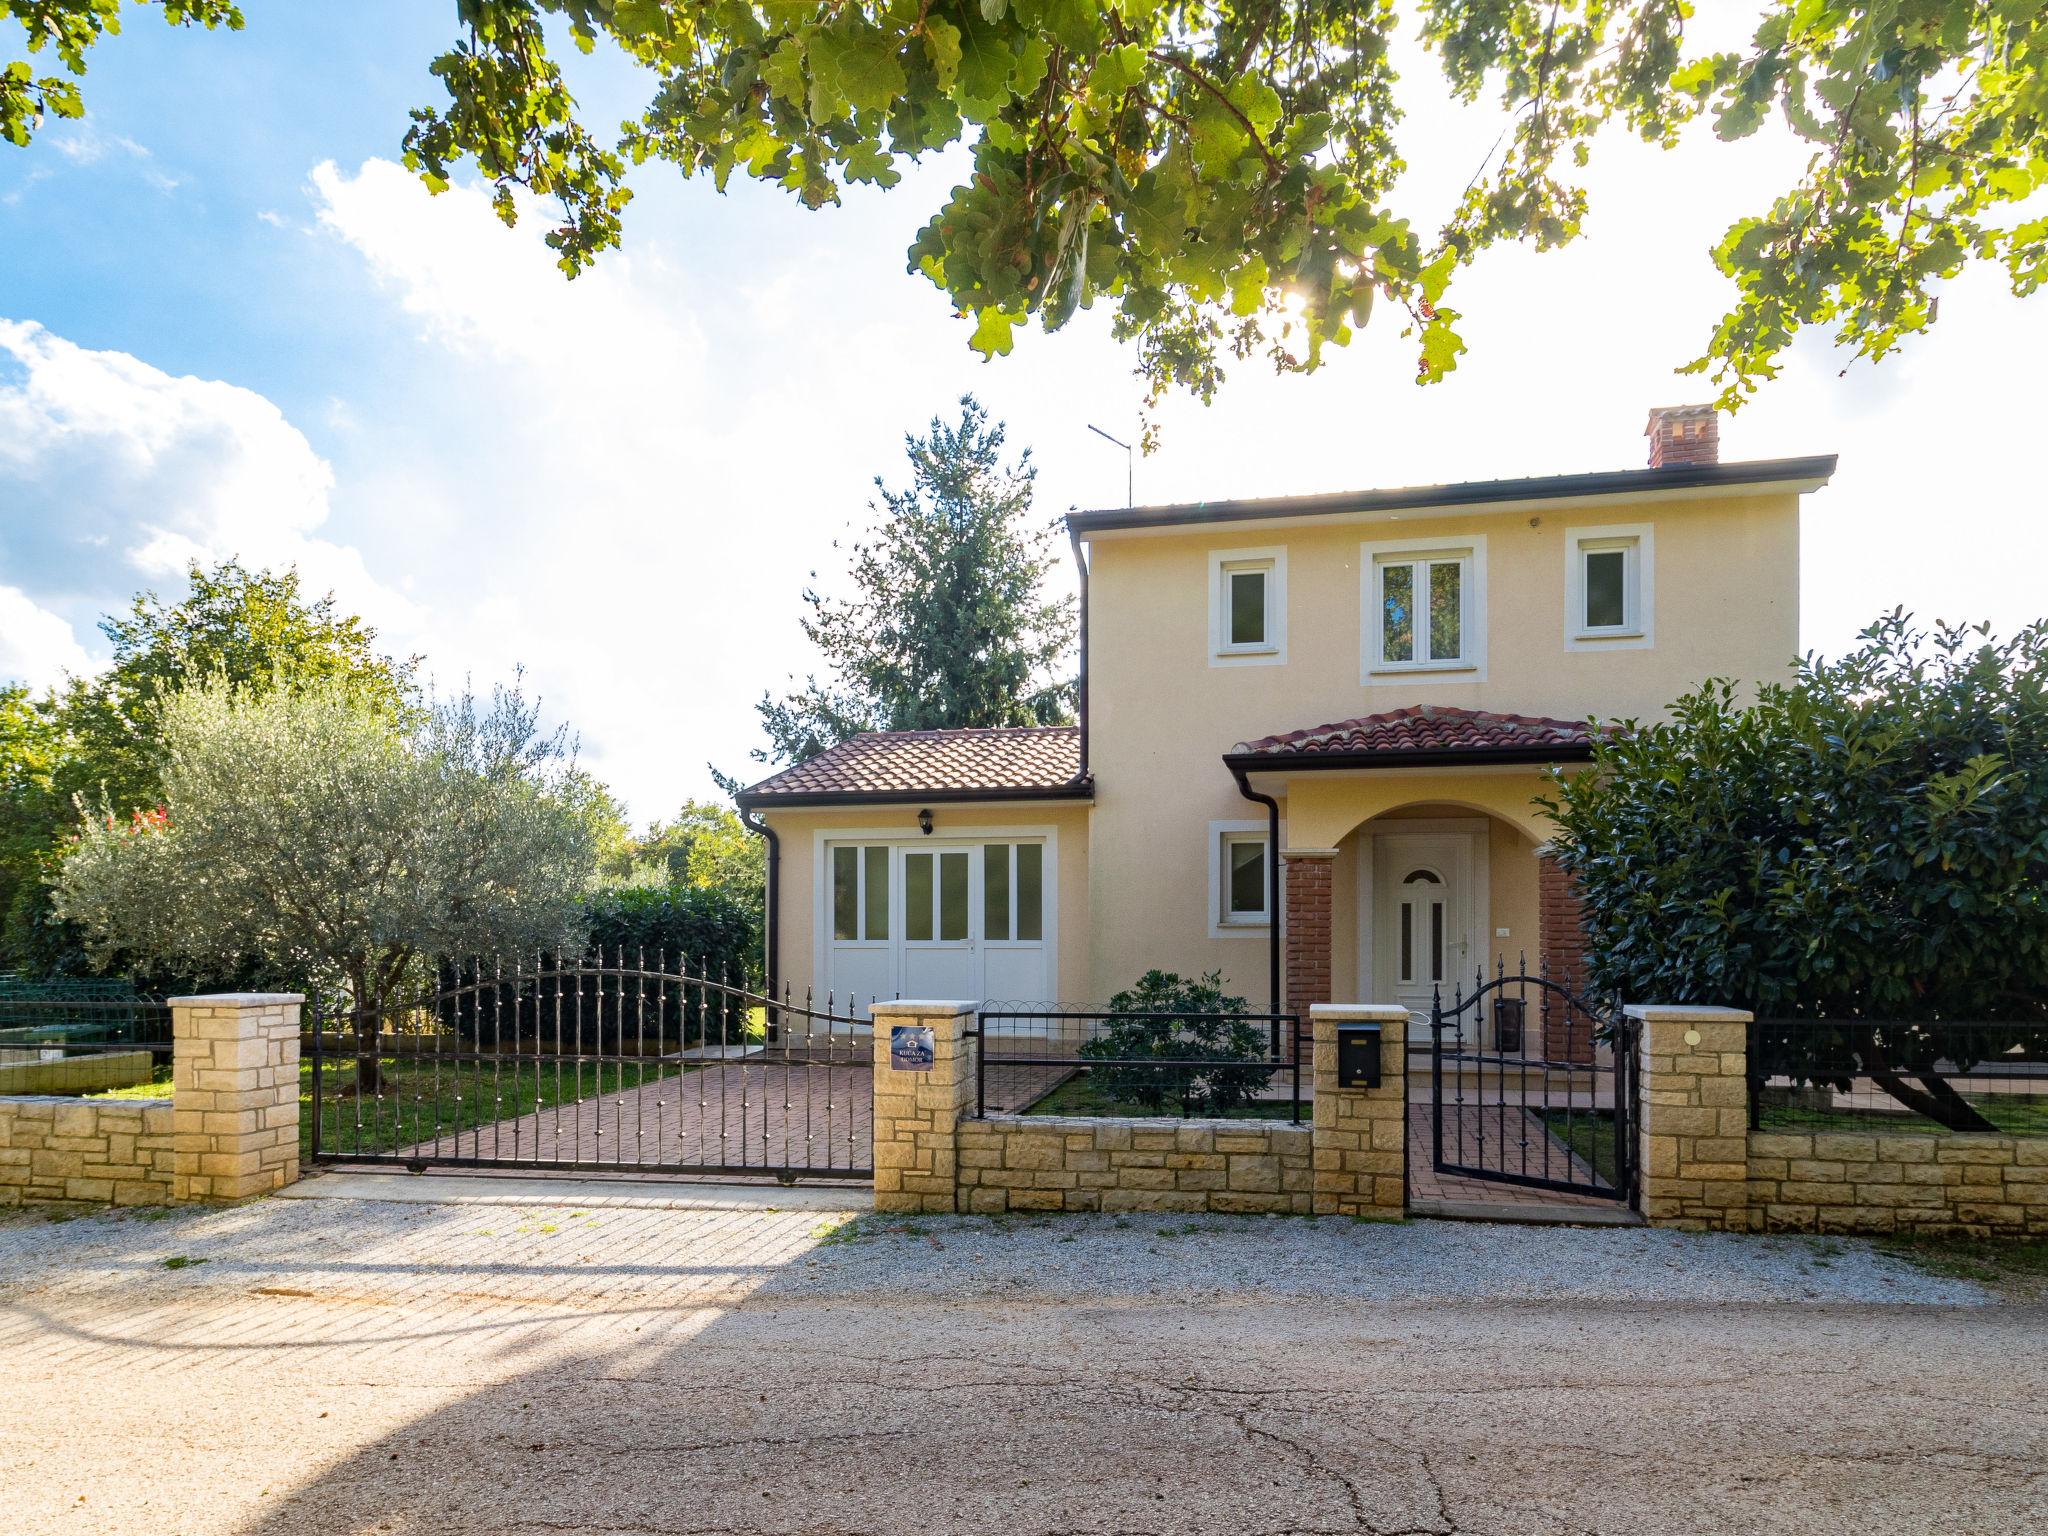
938	923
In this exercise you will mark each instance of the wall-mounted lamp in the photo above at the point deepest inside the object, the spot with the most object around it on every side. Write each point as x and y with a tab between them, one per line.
924	821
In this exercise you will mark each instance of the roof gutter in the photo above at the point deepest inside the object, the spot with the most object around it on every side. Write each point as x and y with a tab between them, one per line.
772	960
1809	473
1081	681
1272	886
1082	788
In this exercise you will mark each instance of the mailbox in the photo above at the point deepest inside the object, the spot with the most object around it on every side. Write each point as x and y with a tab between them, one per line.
1358	1055
1508	1016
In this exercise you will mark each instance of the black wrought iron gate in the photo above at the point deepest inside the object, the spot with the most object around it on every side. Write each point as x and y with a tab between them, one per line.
1542	1096
611	1063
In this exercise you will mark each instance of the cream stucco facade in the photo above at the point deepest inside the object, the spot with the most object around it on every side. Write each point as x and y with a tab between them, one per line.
1712	589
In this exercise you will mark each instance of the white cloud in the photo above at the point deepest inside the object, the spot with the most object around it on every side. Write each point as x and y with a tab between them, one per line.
36	646
115	474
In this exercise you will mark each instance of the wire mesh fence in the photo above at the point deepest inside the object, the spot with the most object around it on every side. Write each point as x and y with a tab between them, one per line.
89	1039
1174	1064
1911	1077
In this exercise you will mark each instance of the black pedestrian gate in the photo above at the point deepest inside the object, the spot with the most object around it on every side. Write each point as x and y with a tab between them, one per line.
599	1063
1545	1099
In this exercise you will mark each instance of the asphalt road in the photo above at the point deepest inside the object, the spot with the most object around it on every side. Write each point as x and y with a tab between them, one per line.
340	1365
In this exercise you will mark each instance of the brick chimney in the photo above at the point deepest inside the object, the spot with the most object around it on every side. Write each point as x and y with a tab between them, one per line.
1683	434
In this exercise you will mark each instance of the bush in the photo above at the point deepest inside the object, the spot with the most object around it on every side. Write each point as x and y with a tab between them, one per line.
711	931
1173	1020
1866	845
1869	841
689	929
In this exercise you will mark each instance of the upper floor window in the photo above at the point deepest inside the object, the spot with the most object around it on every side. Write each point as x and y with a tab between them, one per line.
1247	606
1424	606
1607	587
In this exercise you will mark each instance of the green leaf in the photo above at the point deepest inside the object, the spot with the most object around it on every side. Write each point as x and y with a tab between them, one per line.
1437	276
1258	101
942	47
991	336
1116	71
860	62
1248	287
783	71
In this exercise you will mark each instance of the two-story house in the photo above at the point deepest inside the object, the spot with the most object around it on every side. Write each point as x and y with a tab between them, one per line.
1332	712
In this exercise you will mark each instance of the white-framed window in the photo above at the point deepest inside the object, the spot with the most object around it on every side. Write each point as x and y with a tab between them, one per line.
1013	893
1609	594
1240	878
1423	607
860	894
1247	607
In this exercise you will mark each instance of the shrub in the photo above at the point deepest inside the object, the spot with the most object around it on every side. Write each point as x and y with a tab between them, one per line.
698	930
1170	1019
1865	845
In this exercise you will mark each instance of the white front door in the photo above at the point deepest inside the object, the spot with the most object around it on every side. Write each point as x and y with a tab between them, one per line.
1420	915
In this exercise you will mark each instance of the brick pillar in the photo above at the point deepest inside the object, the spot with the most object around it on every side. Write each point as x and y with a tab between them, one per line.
918	1110
1693	1136
1307	929
1361	1134
1567	1033
234	1094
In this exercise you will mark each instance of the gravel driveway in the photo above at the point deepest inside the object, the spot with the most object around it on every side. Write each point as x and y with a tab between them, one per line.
738	1365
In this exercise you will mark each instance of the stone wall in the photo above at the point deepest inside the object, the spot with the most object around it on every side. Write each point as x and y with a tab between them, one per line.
1047	1163
115	1151
1943	1182
1693	1144
227	1130
1703	1167
1361	1134
77	1074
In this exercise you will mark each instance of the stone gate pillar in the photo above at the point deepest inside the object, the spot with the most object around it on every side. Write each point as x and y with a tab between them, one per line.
234	1094
918	1108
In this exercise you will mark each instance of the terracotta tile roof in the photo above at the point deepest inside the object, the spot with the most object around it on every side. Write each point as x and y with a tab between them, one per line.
1028	760
1430	728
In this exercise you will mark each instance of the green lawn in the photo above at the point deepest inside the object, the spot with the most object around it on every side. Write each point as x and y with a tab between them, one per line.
1589	1135
1078	1096
423	1102
2014	1114
2016	1266
158	1087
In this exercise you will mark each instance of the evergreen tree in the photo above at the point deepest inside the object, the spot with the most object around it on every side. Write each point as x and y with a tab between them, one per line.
948	625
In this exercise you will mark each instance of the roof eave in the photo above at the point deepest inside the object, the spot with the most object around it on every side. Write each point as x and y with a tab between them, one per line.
817	799
1433	757
1803	474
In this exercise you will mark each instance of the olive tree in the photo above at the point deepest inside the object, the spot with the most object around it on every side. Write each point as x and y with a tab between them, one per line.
310	829
1865	845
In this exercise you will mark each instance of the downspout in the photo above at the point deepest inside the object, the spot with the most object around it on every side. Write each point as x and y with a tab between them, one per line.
1081	683
772	968
1272	881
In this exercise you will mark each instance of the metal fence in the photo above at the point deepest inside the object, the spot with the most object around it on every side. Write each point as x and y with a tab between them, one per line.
62	1042
1054	1060
1893	1075
610	1061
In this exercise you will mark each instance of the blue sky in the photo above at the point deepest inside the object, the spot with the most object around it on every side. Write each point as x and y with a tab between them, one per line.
230	324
